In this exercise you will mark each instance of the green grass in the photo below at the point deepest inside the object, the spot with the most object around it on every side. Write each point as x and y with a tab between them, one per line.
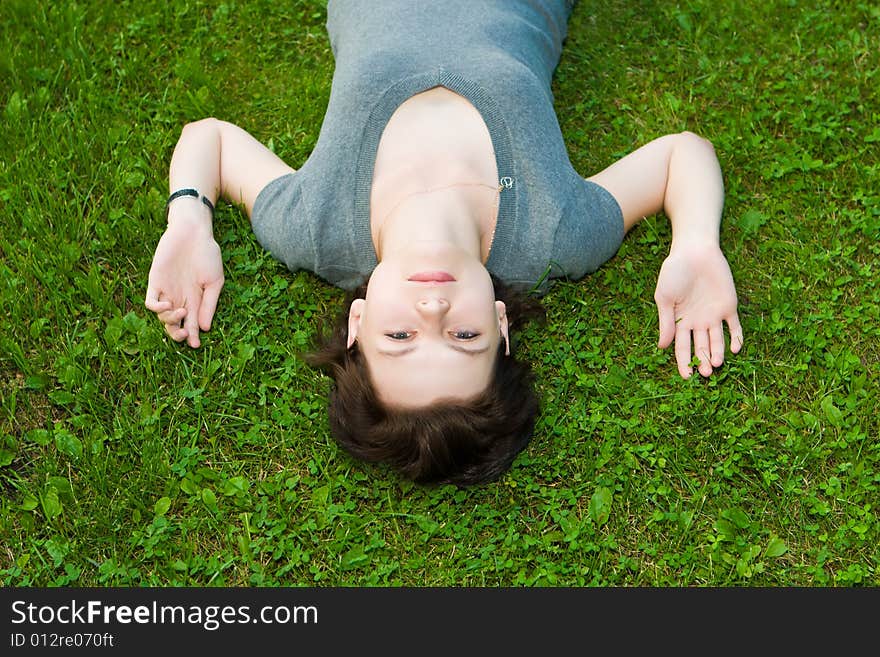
128	460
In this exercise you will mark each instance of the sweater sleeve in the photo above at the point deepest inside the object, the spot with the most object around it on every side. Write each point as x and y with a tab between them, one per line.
590	231
279	223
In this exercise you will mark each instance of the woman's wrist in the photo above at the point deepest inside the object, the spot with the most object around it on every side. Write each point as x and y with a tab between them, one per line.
695	231
190	192
695	241
190	212
695	248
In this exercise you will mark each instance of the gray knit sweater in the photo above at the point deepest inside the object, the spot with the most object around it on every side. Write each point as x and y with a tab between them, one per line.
500	55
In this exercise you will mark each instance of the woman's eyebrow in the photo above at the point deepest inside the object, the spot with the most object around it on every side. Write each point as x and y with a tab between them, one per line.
469	352
396	352
402	352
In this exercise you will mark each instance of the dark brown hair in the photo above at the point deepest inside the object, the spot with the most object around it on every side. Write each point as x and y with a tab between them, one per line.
458	442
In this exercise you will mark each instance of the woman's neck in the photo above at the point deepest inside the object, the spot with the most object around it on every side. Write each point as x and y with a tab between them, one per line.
433	176
455	214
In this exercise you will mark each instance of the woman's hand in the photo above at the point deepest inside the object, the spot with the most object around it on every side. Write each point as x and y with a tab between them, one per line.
680	175
695	294
185	279
218	159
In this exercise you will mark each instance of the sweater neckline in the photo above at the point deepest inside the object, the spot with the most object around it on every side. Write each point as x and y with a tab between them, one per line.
360	235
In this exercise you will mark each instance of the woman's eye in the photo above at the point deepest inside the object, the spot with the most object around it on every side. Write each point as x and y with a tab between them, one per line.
465	335
398	335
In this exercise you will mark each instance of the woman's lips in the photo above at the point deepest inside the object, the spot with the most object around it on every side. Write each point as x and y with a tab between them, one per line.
432	277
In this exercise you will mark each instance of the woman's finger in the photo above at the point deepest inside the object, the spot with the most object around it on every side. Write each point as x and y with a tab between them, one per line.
716	344
172	316
191	321
209	304
736	333
666	315
701	351
175	332
152	300
683	349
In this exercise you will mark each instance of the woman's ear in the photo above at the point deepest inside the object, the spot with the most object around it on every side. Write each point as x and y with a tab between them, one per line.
503	326
355	312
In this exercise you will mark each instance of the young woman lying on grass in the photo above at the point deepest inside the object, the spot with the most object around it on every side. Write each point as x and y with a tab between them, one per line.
440	183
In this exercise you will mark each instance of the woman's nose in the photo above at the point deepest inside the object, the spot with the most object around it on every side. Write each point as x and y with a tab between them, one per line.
433	306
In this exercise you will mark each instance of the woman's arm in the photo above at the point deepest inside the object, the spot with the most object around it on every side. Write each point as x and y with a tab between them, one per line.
219	160
680	175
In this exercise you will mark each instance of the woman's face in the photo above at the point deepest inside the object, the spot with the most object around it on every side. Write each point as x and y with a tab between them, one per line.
429	326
